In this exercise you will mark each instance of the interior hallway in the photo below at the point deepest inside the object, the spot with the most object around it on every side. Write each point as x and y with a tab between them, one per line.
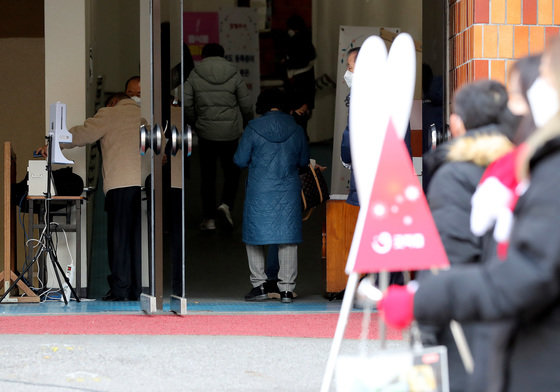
216	266
217	262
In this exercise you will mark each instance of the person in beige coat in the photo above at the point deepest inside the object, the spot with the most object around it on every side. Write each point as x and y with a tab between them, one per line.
117	128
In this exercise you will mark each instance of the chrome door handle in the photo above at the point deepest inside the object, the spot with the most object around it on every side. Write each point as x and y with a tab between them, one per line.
181	140
150	139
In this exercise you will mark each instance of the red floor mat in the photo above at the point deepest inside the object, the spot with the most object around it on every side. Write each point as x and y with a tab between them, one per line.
291	325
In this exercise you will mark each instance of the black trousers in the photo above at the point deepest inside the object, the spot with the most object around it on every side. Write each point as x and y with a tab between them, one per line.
124	241
210	152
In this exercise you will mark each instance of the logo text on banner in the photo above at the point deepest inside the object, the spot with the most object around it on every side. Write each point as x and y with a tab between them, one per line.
399	232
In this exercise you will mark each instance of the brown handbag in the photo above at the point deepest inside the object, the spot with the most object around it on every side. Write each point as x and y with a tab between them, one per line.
314	189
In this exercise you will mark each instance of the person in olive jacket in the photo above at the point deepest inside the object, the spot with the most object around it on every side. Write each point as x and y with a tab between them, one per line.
218	105
273	147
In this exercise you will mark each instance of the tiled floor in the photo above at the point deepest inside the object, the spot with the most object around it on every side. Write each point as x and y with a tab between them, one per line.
217	275
308	305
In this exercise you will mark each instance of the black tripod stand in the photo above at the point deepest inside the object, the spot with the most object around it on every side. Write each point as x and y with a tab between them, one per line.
48	245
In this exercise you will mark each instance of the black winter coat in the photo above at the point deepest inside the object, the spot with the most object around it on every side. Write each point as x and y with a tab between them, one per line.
525	287
457	167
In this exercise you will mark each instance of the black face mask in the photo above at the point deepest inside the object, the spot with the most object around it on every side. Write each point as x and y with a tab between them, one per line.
509	123
525	127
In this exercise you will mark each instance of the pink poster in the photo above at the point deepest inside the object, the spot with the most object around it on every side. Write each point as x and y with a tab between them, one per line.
199	29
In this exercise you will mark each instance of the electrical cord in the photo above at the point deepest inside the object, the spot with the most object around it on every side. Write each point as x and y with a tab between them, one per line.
40	243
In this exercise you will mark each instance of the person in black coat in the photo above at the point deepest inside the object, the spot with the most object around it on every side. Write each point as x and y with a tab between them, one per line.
479	125
525	286
298	60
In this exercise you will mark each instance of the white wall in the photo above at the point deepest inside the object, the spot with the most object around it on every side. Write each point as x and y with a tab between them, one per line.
116	39
22	105
65	81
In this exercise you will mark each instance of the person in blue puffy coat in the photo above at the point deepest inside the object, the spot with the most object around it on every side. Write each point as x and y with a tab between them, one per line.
273	147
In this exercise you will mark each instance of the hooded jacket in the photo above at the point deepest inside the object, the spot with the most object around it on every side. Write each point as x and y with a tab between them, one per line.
217	101
273	147
524	287
457	167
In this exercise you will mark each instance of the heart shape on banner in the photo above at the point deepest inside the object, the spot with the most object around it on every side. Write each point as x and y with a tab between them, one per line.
395	230
382	88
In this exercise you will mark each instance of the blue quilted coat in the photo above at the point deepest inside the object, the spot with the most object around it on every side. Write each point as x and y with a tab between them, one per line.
273	147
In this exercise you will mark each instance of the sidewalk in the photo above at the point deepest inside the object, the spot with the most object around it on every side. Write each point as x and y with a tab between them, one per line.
166	363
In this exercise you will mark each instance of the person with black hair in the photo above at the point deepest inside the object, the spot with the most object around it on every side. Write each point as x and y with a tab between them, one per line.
299	58
480	126
218	106
524	287
345	154
273	147
132	88
522	74
116	127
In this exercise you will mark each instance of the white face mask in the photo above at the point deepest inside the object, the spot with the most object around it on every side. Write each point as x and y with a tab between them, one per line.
348	78
291	32
543	99
136	99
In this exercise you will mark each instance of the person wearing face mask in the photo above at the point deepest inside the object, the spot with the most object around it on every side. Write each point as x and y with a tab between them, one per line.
491	217
345	154
480	128
116	128
299	59
524	286
522	75
132	88
500	178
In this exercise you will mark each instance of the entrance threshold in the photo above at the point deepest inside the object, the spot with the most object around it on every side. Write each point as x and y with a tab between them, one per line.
311	304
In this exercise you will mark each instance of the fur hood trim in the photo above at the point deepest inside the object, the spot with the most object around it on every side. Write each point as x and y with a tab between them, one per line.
479	148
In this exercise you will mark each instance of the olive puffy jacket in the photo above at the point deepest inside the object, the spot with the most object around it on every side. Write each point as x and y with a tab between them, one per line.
217	101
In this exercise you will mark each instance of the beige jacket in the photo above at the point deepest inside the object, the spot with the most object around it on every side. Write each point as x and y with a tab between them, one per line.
118	130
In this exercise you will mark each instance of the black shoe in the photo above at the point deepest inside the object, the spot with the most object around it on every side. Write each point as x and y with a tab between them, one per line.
286	297
256	294
271	289
111	297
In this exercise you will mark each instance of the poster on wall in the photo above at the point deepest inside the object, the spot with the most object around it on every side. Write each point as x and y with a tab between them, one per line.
349	37
199	29
239	35
264	11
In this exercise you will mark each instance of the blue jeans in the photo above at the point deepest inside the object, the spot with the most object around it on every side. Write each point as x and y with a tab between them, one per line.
272	263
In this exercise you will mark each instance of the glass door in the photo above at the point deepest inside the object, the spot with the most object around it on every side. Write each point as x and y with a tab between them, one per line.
162	78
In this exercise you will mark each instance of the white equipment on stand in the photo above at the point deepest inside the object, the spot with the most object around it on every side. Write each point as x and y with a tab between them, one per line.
59	132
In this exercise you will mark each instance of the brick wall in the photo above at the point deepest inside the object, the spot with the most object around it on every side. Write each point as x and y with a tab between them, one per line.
486	36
